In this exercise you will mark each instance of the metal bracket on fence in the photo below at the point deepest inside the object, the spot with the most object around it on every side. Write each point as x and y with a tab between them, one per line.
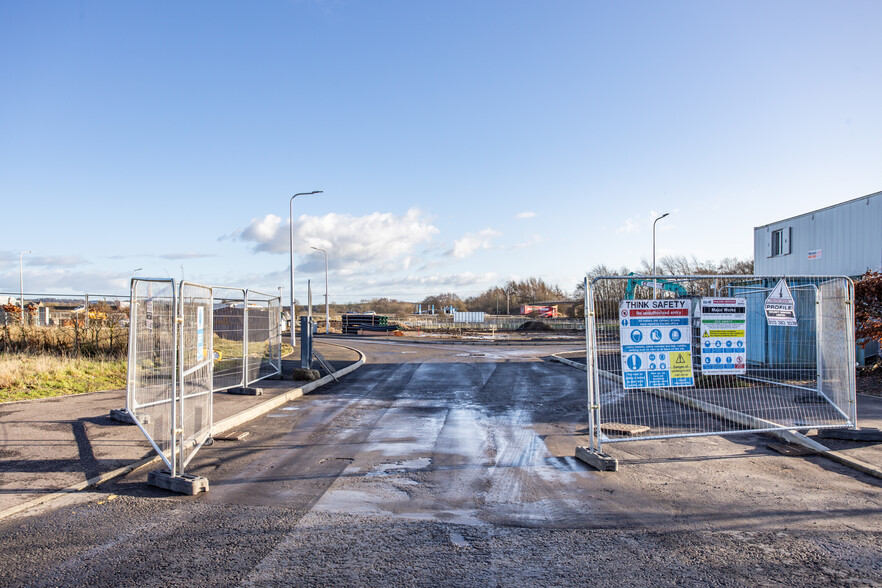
325	365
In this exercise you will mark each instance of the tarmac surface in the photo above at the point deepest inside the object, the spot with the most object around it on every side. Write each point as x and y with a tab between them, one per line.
51	444
443	464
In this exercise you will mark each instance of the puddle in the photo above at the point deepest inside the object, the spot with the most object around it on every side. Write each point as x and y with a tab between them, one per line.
401	467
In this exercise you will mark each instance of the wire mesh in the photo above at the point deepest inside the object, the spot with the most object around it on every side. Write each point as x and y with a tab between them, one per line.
196	366
229	337
152	364
264	336
700	357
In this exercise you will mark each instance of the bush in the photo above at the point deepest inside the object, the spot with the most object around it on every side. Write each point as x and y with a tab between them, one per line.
868	308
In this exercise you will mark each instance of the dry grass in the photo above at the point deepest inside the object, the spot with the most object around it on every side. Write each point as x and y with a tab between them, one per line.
24	376
99	339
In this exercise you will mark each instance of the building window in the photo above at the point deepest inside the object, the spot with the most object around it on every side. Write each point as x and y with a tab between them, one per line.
777	242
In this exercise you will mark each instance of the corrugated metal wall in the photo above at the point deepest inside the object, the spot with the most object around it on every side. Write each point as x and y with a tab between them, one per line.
848	237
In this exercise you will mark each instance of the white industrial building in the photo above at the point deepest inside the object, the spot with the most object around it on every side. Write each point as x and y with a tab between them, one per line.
840	240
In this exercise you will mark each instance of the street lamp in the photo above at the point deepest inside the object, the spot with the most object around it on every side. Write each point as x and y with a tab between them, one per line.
654	281
327	307
21	284
291	226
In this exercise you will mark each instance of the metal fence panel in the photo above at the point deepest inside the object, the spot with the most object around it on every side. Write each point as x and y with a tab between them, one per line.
264	336
793	377
229	337
194	407
836	377
152	365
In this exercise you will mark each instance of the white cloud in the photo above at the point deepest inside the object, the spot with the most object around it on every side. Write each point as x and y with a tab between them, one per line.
470	243
349	240
526	214
629	226
265	232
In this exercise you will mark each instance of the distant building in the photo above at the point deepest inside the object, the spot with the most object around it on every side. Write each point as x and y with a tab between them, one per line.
840	240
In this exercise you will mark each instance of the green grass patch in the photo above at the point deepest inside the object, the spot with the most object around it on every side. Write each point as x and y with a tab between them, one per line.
24	377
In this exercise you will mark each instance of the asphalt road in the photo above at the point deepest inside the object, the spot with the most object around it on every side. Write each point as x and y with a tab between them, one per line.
452	465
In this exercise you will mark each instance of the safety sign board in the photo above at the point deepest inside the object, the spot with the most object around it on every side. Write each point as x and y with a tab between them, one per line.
723	336
656	343
780	307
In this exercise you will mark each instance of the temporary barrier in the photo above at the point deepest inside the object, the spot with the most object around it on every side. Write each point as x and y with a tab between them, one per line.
263	344
229	337
194	408
168	393
247	337
680	356
151	386
185	342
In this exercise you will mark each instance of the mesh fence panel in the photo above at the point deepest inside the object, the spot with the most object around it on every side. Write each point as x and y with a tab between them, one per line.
196	361
264	336
704	360
229	339
152	360
836	347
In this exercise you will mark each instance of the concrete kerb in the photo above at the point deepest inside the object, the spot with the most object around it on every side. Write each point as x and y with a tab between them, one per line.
273	403
409	340
788	436
218	428
569	362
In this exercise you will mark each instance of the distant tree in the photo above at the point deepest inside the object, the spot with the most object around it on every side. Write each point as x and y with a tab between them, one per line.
533	291
442	300
608	293
680	265
513	294
491	301
868	308
733	266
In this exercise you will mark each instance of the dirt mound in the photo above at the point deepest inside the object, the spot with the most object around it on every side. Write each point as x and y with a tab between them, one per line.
535	326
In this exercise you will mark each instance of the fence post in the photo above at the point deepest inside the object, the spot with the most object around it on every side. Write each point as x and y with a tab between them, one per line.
819	323
588	370
245	340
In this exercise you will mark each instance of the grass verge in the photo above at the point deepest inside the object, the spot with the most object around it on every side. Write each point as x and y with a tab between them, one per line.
24	377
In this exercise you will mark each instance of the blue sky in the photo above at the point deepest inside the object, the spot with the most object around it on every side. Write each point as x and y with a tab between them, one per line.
458	144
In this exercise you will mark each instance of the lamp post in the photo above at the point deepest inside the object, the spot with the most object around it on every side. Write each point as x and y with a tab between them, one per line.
327	307
654	281
291	227
21	284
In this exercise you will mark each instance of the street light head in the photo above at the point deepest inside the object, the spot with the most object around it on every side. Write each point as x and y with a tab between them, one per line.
664	215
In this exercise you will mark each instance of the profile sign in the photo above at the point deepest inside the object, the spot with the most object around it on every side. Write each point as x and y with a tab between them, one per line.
723	336
780	307
655	343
